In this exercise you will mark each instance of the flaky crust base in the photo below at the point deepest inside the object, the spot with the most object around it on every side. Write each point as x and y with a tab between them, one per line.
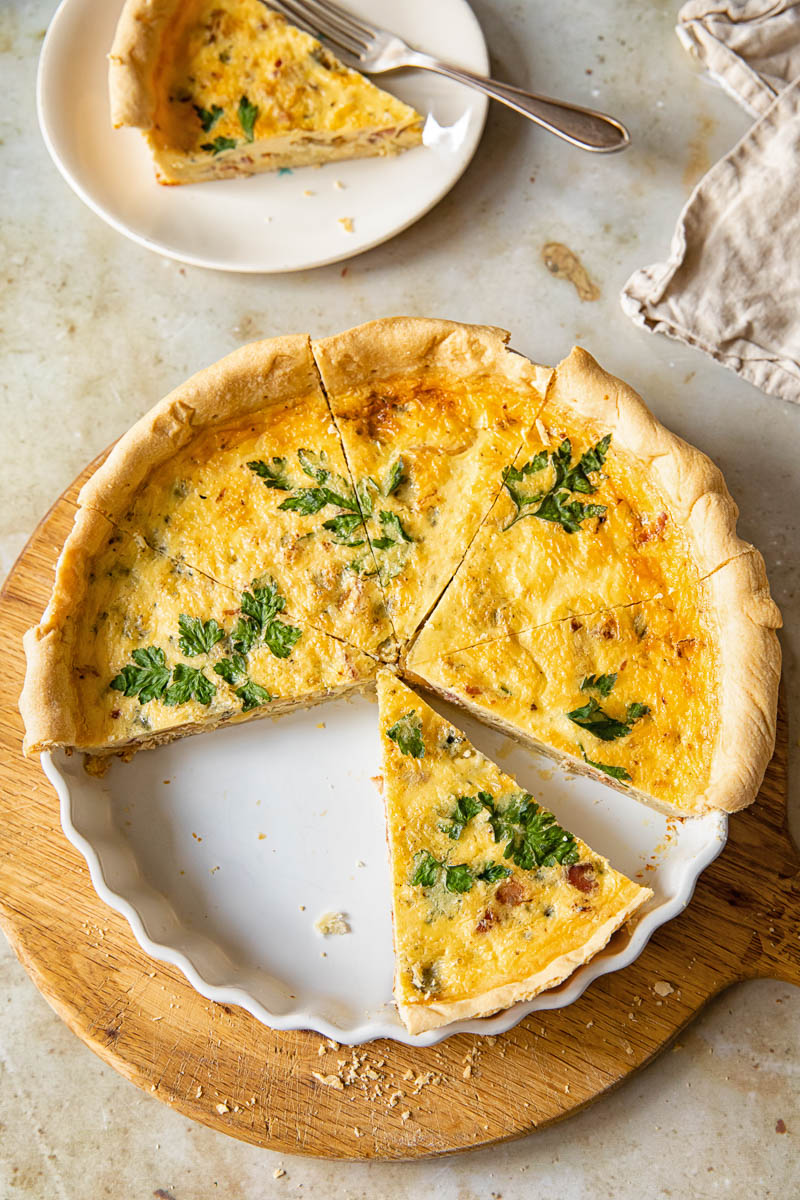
419	1018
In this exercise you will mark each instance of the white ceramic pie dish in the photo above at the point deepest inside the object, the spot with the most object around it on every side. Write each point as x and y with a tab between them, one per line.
272	222
222	850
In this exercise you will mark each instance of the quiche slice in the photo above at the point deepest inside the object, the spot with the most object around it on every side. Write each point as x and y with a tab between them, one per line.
673	702
136	648
493	901
429	413
240	473
601	507
226	87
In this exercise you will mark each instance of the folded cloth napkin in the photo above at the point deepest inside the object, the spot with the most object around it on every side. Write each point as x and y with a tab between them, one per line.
731	285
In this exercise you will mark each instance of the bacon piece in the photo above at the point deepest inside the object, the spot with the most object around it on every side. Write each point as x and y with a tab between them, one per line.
486	922
511	891
581	876
652	531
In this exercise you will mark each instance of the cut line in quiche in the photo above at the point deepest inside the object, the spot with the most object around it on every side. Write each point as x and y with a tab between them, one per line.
227	87
429	414
493	901
136	649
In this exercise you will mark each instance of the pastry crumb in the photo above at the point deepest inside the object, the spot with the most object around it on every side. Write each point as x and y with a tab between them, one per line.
662	988
347	224
278	1173
338	185
332	924
221	1107
331	1081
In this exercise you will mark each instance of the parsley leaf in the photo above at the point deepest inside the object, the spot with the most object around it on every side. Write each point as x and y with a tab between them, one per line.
599	683
281	638
364	496
406	733
247	114
458	878
554	503
537	840
592	718
426	869
188	683
492	872
466	808
614	772
147	679
393	527
305	501
568	513
252	695
263	603
231	669
219	144
244	636
314	465
394	477
208	117
274	474
347	528
198	637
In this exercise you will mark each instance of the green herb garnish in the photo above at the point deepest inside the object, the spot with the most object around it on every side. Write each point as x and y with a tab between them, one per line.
208	117
347	529
592	718
458	878
198	637
393	528
466	807
146	678
247	114
219	144
188	683
273	474
231	669
252	695
553	503
614	772
394	478
426	869
599	683
406	733
281	638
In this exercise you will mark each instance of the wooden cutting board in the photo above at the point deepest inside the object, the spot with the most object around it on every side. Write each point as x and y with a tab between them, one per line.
292	1091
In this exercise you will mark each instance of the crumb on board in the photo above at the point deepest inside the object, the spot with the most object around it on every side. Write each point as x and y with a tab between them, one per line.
663	988
347	224
221	1107
332	924
331	1081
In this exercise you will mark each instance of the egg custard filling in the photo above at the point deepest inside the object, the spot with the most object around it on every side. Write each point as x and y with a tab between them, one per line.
493	901
228	87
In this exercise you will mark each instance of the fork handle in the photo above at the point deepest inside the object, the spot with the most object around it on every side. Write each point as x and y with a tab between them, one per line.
581	127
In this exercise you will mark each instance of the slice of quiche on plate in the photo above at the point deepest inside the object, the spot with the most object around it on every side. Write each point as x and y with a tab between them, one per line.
429	413
227	87
493	901
674	703
601	507
240	473
135	649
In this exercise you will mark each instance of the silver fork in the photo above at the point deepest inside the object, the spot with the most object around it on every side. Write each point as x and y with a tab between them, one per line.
370	49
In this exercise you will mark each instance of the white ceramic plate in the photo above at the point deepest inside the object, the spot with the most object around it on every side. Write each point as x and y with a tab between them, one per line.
265	223
222	850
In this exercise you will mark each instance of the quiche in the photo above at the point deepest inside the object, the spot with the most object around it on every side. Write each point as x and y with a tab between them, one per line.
228	87
429	414
493	901
136	648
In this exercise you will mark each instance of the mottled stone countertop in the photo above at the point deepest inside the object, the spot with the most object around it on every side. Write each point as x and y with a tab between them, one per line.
95	329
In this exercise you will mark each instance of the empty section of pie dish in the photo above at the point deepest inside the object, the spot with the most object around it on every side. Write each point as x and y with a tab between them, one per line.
252	849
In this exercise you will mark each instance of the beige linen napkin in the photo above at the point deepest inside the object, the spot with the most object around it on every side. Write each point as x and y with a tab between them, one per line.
731	285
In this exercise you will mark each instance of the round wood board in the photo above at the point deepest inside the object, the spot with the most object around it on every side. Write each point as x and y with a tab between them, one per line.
220	1066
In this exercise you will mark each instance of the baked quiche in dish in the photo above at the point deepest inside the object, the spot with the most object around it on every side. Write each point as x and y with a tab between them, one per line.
492	900
227	87
414	498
